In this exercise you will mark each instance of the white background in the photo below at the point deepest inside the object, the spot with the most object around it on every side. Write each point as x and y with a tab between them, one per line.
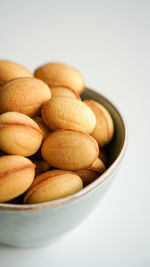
109	42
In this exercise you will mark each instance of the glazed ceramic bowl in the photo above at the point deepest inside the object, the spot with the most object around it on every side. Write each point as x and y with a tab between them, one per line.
39	224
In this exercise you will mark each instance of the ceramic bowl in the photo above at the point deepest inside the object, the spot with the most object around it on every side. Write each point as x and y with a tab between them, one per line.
39	224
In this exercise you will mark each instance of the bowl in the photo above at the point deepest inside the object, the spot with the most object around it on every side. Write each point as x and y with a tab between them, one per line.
39	224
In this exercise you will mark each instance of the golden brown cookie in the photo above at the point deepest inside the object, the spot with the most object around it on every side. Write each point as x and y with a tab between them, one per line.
59	74
53	185
16	175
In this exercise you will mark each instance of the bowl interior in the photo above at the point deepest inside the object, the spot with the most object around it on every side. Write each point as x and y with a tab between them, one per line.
115	151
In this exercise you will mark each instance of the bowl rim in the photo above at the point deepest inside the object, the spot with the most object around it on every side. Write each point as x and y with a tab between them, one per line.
88	188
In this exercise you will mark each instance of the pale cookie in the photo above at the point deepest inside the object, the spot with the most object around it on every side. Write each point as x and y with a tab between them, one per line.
16	175
24	95
68	113
53	185
10	70
19	134
104	129
70	150
59	74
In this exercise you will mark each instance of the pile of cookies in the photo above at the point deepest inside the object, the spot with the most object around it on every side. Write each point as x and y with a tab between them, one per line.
51	142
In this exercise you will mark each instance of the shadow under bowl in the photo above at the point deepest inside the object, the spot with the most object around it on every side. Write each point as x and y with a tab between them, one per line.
39	224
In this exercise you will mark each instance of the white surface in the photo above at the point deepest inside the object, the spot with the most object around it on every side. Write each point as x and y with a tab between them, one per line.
109	42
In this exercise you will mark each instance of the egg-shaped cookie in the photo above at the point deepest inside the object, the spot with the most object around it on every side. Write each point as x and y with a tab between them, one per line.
59	74
42	126
24	95
10	70
91	173
87	176
70	150
64	91
104	129
53	185
98	166
19	134
68	113
16	175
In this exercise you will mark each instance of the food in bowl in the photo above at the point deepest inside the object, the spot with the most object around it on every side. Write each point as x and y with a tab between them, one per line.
10	70
65	132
